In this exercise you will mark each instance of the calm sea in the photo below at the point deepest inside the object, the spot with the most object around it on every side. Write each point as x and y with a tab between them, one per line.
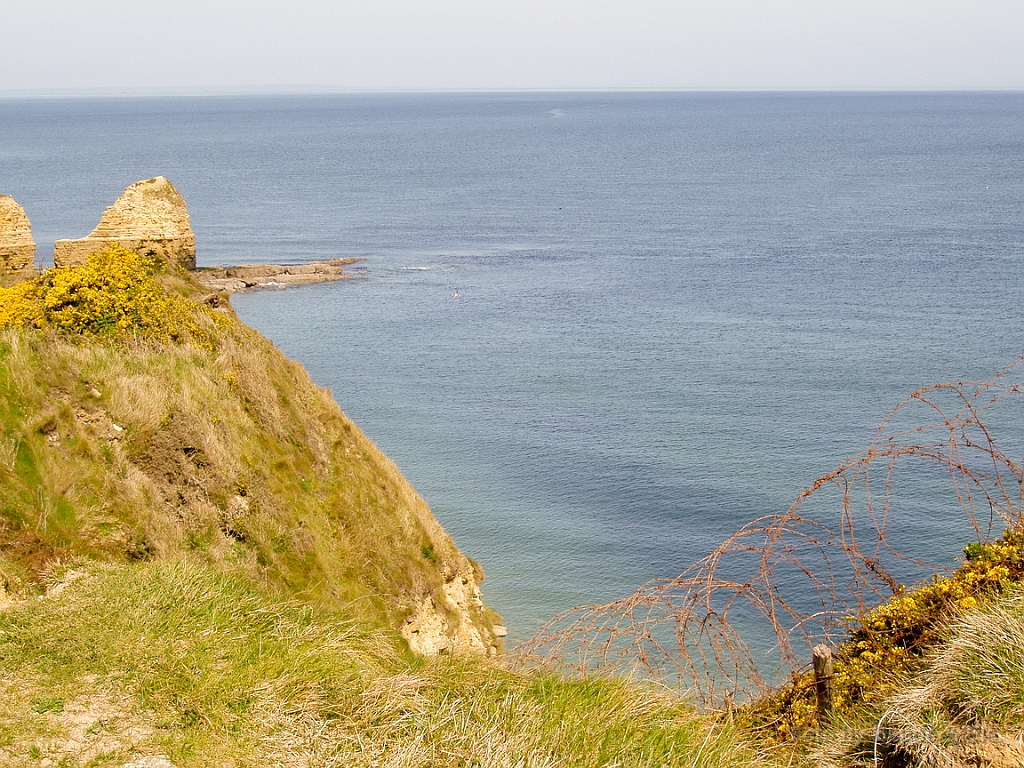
597	331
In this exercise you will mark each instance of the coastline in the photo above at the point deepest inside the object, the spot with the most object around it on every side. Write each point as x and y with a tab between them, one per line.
245	277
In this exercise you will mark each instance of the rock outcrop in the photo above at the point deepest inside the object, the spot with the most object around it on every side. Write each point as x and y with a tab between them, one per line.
444	622
17	248
246	276
150	218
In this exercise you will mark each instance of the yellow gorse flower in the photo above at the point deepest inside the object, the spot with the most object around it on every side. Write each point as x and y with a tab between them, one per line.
19	305
892	638
113	296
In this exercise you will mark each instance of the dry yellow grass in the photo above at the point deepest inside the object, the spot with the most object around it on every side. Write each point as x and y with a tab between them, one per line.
172	659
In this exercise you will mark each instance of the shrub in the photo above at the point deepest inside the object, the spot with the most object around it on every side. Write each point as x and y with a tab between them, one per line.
114	296
892	640
19	305
895	634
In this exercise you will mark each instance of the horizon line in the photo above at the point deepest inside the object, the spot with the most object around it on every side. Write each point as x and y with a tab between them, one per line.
314	90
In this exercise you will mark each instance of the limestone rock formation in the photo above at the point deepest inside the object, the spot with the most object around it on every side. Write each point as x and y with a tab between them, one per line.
150	218
17	248
245	276
443	623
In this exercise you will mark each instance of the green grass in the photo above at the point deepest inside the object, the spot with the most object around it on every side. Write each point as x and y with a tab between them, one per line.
174	658
151	450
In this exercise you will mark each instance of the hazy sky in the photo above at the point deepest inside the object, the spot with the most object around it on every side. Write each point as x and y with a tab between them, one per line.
511	44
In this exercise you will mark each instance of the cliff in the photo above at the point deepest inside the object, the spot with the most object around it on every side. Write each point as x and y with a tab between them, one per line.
203	562
150	218
17	248
205	441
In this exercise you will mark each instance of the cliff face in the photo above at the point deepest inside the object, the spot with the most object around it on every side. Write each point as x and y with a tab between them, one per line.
214	444
17	248
150	218
222	450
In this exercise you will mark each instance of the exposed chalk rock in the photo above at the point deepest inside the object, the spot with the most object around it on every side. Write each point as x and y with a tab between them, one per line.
17	248
442	623
150	218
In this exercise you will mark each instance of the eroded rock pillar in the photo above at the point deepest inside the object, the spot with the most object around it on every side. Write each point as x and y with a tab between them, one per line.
150	218
17	248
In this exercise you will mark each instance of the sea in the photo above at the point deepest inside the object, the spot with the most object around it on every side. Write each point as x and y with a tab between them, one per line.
598	332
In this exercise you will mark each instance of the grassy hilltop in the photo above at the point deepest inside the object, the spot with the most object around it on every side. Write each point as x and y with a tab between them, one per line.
203	562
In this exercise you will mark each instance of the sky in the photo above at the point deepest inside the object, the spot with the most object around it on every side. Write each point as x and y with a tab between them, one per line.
382	45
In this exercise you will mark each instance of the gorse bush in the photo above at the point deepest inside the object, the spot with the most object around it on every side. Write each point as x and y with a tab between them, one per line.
894	637
893	640
19	305
114	296
910	621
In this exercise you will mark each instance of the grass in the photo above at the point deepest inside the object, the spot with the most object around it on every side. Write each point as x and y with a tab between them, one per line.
979	674
175	658
135	450
891	643
964	707
955	698
970	701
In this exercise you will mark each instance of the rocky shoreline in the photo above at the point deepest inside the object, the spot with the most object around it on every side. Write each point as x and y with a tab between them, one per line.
151	218
245	277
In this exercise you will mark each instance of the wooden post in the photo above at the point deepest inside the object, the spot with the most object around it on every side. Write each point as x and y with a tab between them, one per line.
822	656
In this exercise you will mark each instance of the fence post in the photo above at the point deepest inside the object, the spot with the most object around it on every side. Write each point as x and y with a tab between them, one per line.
822	656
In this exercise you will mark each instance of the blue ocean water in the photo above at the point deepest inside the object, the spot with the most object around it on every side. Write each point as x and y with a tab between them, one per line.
597	331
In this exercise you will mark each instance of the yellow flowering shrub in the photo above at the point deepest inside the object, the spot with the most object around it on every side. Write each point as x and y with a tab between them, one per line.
911	620
892	638
19	305
113	296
